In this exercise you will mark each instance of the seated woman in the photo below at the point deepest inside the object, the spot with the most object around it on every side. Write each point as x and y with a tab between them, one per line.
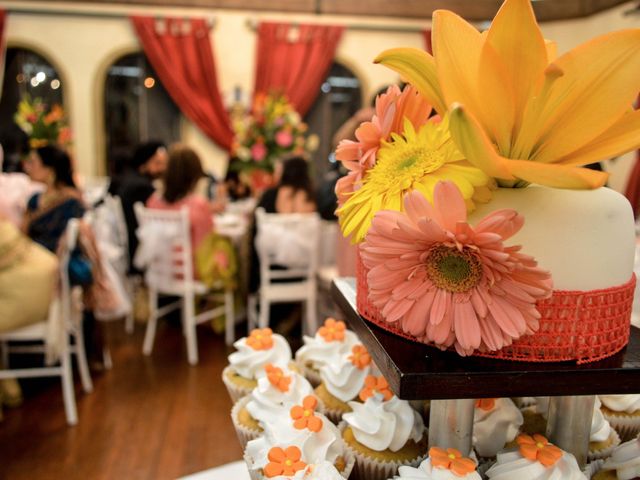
179	181
294	192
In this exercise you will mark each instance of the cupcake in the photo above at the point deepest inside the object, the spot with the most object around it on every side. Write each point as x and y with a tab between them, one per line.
383	433
623	413
603	439
535	415
623	464
279	388
311	432
287	464
342	381
261	347
442	464
330	341
496	422
535	458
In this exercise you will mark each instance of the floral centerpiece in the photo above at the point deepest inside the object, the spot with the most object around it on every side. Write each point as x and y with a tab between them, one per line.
45	125
507	112
272	130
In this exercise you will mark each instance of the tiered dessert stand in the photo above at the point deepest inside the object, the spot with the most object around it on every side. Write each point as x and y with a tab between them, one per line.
452	383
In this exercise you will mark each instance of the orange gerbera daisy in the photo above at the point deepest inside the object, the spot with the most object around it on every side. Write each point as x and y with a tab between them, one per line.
260	339
373	385
277	378
304	416
538	448
283	462
451	459
360	357
333	330
486	404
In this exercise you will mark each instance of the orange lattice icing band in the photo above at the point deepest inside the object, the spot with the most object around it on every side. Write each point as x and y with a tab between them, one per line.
283	462
304	415
373	385
332	330
277	378
580	326
486	404
360	357
538	449
451	459
260	339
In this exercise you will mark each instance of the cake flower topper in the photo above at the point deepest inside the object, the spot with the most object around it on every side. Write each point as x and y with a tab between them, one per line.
304	415
260	339
448	283
360	357
283	462
277	378
517	111
332	330
375	385
486	404
451	459
538	448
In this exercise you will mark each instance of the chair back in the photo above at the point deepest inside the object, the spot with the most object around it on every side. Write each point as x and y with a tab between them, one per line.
287	240
164	251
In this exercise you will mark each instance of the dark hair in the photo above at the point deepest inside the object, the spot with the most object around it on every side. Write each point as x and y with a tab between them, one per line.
144	152
58	160
183	172
295	174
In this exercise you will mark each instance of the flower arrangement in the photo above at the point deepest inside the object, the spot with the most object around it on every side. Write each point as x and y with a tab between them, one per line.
487	110
45	125
271	131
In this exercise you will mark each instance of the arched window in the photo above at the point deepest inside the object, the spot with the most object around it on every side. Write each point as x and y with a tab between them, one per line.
137	108
340	97
26	73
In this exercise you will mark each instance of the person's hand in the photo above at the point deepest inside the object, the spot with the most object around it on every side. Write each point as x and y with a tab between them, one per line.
218	206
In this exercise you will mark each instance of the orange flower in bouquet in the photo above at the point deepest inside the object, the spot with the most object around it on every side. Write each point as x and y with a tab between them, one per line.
45	125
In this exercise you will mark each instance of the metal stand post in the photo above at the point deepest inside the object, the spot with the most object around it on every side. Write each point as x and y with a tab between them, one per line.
451	424
569	424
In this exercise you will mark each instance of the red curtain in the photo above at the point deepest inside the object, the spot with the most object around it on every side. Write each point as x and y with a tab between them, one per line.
181	53
3	19
426	34
633	184
295	60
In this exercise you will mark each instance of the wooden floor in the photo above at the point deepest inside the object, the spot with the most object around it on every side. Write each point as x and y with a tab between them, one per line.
147	418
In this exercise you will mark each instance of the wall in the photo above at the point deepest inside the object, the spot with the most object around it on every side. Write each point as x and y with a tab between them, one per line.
83	47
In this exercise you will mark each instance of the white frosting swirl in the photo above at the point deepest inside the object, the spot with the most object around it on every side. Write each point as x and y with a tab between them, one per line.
323	471
625	460
250	363
542	406
343	379
493	429
381	425
512	465
318	352
426	471
621	403
600	427
267	401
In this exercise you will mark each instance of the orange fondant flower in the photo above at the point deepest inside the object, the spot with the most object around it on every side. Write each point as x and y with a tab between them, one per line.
373	385
360	357
538	448
304	416
486	404
260	339
333	330
283	462
451	459
277	378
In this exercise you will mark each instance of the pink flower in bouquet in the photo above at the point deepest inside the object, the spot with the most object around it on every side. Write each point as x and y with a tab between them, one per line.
258	151
284	138
391	109
448	283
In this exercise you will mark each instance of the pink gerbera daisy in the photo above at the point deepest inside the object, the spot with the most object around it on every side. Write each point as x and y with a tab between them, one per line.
448	283
391	109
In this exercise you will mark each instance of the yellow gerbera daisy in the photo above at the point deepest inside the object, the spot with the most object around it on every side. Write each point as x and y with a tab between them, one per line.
411	161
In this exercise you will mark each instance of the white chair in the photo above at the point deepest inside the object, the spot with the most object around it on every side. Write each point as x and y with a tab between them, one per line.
165	250
292	241
40	331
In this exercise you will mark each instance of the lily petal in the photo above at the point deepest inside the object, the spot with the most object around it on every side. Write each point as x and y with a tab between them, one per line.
557	176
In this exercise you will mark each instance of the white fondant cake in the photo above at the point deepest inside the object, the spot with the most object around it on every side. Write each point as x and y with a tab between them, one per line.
585	238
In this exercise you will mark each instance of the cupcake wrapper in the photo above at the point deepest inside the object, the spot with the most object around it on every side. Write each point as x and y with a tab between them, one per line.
371	469
235	392
244	433
254	474
627	426
592	468
605	452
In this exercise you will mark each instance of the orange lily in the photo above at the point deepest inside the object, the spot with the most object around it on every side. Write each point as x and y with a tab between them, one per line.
519	113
